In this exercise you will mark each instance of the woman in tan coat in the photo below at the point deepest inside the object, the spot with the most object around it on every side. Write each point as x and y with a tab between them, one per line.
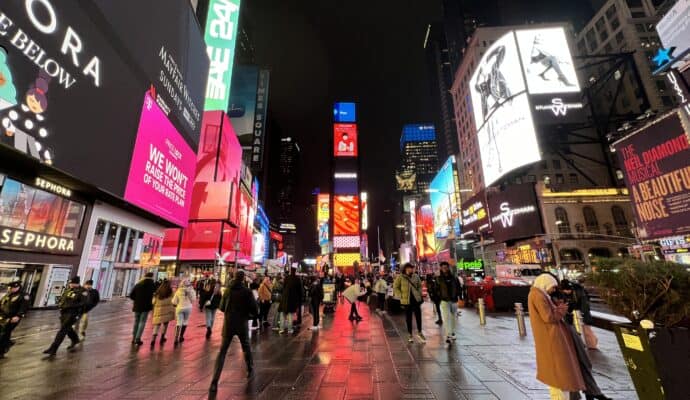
163	311
557	364
265	300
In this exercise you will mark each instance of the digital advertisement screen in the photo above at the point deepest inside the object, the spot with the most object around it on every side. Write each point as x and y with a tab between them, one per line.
514	213
220	37
242	106
163	166
475	214
151	247
201	241
674	30
547	61
346	259
444	193
655	167
426	239
322	217
346	215
344	112
346	186
364	200
258	248
345	140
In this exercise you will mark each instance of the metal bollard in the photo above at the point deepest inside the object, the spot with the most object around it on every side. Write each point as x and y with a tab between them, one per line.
482	312
578	323
520	314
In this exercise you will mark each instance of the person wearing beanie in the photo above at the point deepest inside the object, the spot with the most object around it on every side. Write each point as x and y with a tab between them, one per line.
13	306
71	306
239	306
92	298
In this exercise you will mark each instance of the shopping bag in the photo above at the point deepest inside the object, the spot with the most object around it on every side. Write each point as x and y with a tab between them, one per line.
591	339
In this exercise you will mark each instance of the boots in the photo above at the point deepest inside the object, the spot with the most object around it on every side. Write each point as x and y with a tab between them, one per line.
208	333
184	328
153	340
163	339
177	335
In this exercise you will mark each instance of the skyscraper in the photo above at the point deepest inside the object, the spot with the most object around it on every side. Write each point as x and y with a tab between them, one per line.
419	156
285	181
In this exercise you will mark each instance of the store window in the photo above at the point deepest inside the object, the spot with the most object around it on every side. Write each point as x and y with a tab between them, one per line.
562	220
590	219
27	208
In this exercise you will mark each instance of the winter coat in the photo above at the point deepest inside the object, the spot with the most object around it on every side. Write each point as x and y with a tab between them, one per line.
291	298
316	294
239	306
264	293
352	293
448	288
557	364
163	310
214	301
142	294
404	285
183	298
92	299
381	286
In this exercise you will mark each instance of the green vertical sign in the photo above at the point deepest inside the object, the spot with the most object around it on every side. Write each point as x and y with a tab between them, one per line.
221	31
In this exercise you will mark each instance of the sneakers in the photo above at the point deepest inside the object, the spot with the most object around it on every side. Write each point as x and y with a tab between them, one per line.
280	332
314	328
291	331
410	339
73	345
453	337
448	340
50	351
421	337
214	387
439	322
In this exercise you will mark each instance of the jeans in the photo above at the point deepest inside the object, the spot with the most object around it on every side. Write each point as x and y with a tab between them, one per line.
413	307
183	316
139	323
286	321
210	316
315	314
449	310
243	335
353	310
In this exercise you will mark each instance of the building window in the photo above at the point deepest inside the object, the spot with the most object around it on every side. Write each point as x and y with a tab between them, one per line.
556	164
615	24
573	178
579	228
518	180
603	35
611	12
608	228
560	179
531	178
620	38
640	28
590	219
562	220
668	102
620	220
608	48
544	165
600	24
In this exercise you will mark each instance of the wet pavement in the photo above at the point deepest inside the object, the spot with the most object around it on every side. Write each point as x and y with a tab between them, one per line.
344	360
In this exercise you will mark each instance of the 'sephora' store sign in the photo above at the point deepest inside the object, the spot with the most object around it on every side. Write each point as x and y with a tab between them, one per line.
19	239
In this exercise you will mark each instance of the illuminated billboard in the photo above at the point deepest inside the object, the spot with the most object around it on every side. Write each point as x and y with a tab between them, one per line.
514	213
346	259
346	242
345	140
220	38
506	135
322	216
365	218
475	214
444	200
346	215
426	241
344	112
547	61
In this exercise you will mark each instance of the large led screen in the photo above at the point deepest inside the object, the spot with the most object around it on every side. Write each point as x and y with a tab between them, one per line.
220	37
506	134
426	240
161	174
345	140
514	213
444	200
655	166
547	61
475	214
242	106
322	216
346	215
344	112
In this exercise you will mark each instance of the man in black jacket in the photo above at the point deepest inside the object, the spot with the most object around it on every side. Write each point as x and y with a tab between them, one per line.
315	300
290	300
449	294
13	306
142	294
92	297
432	290
239	306
71	306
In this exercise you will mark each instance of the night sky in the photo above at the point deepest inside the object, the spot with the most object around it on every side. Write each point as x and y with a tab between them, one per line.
321	51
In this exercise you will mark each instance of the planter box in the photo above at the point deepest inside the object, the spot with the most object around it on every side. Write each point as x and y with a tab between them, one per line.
658	360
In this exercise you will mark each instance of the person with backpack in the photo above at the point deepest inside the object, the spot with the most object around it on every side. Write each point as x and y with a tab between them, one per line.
163	311
91	301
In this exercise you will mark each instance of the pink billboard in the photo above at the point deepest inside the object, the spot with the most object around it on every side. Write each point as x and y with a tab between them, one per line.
161	173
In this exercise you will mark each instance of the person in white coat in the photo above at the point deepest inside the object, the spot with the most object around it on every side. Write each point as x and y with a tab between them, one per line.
184	302
351	294
381	288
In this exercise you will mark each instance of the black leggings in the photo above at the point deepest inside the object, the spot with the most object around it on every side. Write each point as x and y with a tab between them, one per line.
353	310
438	310
413	307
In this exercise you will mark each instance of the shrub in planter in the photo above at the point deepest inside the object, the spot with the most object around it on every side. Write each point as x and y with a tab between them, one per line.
657	355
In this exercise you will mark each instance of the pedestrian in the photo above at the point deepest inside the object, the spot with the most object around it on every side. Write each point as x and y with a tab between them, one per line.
254	287
557	363
290	301
184	302
449	294
265	301
381	288
238	306
142	295
315	299
71	305
13	307
351	294
434	296
574	301
163	311
210	306
578	299
408	288
92	300
276	296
